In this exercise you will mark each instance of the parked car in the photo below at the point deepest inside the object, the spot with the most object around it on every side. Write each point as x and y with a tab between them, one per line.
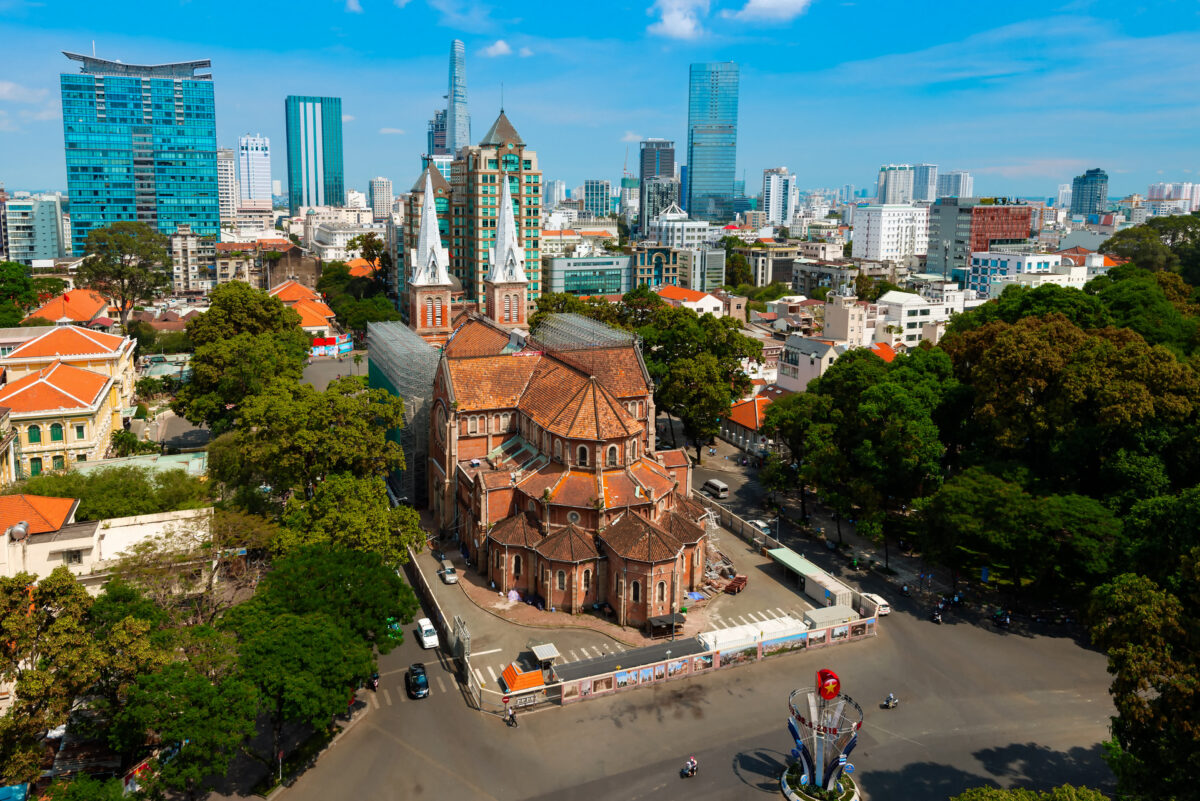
881	606
415	681
427	633
447	572
762	525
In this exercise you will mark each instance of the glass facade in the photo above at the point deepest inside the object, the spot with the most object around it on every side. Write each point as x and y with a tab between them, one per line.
141	144
599	275
1089	192
314	152
458	120
712	140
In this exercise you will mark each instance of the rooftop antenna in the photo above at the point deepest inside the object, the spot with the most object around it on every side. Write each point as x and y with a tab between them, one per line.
502	97
93	48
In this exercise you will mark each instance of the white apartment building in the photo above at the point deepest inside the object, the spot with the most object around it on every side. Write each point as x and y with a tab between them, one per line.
331	241
379	197
227	186
673	229
906	319
193	261
780	195
1064	275
925	178
956	183
891	232
989	270
895	184
254	163
356	199
1187	193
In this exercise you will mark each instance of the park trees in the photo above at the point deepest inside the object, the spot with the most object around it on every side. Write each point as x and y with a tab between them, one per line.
128	262
237	308
1065	792
693	389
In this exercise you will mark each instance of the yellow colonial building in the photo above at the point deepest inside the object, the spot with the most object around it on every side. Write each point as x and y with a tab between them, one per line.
95	351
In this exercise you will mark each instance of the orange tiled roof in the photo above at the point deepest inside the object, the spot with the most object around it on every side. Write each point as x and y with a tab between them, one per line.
490	382
884	351
519	530
681	528
41	513
361	268
313	313
476	338
292	291
578	488
561	233
750	413
69	340
676	457
634	537
597	233
564	401
618	368
58	386
78	305
570	544
653	477
681	294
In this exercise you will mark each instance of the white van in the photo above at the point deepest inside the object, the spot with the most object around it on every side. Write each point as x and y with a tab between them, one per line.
715	488
881	606
427	633
448	573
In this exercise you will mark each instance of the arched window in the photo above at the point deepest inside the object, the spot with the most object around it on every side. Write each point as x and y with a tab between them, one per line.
620	588
428	312
437	312
562	580
56	432
472	424
35	436
516	565
662	591
612	455
587	581
583	456
635	449
35	467
507	307
635	591
532	505
558	450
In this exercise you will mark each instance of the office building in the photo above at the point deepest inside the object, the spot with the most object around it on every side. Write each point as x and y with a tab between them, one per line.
890	233
435	136
556	192
990	270
658	195
254	164
141	144
959	227
712	140
672	228
314	152
702	269
379	198
779	195
1089	193
1185	195
628	199
925	179
607	274
597	197
31	228
227	187
956	183
193	262
1063	200
458	121
895	185
656	159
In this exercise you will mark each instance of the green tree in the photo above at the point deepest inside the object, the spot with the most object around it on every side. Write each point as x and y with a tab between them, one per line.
1064	792
694	391
737	270
775	476
1142	246
1157	530
128	262
790	419
1142	305
1017	302
120	491
355	513
84	788
17	294
237	308
126	443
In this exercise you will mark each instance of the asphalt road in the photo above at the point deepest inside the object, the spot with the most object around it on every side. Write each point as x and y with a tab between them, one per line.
977	706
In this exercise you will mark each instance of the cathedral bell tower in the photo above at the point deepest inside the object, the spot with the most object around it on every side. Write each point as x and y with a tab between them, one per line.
429	287
506	283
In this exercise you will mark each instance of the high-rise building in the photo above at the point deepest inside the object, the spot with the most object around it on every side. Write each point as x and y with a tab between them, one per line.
458	120
1089	192
890	233
254	163
628	203
925	177
3	225
141	144
435	136
31	228
846	193
1186	195
1063	200
712	140
659	194
227	187
314	152
959	227
780	195
556	192
379	198
956	183
477	176
895	184
597	197
656	159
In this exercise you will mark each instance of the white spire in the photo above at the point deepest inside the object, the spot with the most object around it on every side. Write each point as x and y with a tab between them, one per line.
429	258
507	257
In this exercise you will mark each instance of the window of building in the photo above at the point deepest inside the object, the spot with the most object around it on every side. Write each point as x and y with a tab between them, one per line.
507	308
620	588
35	435
662	591
516	565
583	456
587	580
80	432
73	557
81	457
558	450
472	425
35	467
635	592
573	517
562	580
59	462
612	455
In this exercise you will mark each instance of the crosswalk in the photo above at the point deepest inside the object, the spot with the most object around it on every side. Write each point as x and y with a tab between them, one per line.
749	618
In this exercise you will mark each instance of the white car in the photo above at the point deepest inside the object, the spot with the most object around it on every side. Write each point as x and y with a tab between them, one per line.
762	525
881	606
427	633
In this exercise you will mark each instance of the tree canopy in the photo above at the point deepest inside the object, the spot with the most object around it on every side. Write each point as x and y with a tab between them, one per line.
128	262
122	491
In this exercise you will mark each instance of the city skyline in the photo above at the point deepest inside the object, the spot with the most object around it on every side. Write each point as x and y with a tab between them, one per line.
1023	101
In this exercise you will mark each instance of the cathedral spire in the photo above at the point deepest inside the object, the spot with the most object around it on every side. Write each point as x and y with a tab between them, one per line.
507	257
429	258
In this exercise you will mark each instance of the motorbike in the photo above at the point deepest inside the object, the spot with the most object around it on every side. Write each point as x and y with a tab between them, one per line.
905	592
891	702
688	770
936	616
373	683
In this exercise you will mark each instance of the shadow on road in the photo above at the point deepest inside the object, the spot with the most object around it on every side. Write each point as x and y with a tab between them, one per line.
760	769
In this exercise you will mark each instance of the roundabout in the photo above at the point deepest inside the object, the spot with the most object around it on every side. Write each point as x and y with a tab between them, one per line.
824	724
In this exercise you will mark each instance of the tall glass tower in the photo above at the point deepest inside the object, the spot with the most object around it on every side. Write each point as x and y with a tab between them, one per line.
141	145
458	121
712	140
1089	192
314	152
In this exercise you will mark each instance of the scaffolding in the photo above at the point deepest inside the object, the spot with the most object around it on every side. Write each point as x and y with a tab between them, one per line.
404	364
560	332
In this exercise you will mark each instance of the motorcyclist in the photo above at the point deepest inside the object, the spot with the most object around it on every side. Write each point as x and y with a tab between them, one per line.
891	700
691	766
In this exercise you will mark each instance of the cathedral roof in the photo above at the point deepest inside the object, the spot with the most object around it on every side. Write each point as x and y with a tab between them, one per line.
501	132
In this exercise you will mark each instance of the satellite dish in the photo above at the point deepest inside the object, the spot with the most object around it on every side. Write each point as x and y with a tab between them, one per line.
19	531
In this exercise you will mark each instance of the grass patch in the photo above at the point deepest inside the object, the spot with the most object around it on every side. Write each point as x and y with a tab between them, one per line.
793	779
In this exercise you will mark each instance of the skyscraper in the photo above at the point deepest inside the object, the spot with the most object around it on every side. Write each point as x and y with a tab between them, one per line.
780	195
712	140
597	197
141	144
435	136
458	121
556	192
1089	192
314	152
895	184
32	228
254	162
657	159
227	186
660	194
956	183
925	183
379	198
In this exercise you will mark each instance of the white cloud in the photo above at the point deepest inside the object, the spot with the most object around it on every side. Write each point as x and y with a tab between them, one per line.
630	136
391	130
769	10
353	7
6	124
347	118
497	48
524	52
465	15
20	94
46	112
679	19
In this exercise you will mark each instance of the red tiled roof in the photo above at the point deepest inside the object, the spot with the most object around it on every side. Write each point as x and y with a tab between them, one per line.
750	413
561	233
766	317
69	340
634	537
681	294
78	305
676	457
292	291
41	513
58	386
519	530
617	368
476	338
884	351
564	401
812	302
490	382
313	313
570	544
653	477
361	268
578	488
680	527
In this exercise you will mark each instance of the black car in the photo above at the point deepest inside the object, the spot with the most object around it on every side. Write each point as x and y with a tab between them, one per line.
415	680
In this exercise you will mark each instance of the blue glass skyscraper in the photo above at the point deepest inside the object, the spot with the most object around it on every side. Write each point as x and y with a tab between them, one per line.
458	121
712	140
141	144
314	152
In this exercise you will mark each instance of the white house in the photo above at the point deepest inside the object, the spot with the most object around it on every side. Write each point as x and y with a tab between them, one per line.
699	302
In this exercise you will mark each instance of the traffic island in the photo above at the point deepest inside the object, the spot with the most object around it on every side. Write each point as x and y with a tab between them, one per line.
845	790
824	723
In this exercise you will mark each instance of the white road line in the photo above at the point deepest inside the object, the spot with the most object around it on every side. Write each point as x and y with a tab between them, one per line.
441	684
743	619
574	656
387	697
479	675
781	612
375	700
485	653
753	619
492	673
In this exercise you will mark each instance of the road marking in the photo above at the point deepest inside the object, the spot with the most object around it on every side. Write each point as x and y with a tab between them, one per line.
479	675
374	700
441	686
781	612
492	673
743	619
485	653
753	618
574	656
387	697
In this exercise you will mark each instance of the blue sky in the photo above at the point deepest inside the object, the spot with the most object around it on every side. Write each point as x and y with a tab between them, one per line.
1024	93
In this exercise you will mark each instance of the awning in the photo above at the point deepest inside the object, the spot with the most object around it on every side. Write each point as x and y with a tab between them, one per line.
517	680
662	621
546	652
